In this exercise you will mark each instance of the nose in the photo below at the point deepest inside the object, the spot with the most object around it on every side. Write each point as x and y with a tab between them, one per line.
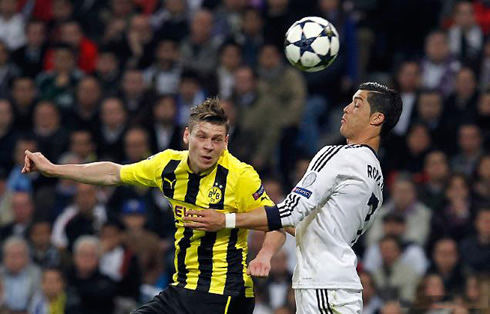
345	108
209	145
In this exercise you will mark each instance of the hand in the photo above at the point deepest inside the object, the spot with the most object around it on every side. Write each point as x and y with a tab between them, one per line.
260	266
37	162
204	220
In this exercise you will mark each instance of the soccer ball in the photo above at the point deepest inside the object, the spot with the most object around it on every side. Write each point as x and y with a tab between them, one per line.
311	44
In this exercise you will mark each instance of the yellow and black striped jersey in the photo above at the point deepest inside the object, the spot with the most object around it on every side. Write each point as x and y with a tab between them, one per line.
213	262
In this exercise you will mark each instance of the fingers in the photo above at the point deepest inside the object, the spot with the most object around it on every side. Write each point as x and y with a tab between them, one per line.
194	219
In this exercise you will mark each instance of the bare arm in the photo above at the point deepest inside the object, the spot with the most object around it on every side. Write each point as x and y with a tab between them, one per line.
100	173
212	220
261	264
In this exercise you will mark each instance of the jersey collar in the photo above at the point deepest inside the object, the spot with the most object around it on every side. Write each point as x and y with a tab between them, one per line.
186	167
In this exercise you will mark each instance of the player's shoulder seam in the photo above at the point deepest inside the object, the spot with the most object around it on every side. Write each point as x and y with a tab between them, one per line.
324	157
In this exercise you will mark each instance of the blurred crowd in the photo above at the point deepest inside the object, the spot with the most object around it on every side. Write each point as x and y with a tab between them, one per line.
86	80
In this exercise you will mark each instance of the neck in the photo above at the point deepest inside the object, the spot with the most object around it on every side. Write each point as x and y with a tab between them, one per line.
371	141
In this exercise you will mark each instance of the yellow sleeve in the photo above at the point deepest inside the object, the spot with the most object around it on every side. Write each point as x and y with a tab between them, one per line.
250	193
143	172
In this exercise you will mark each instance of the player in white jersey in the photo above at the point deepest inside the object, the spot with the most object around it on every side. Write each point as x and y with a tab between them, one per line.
331	207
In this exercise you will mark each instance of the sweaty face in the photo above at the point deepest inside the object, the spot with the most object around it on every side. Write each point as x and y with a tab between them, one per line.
206	142
356	116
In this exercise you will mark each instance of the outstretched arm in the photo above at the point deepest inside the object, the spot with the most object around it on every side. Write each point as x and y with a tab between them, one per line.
100	173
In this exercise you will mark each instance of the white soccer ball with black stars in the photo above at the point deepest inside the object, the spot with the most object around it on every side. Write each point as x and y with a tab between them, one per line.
311	44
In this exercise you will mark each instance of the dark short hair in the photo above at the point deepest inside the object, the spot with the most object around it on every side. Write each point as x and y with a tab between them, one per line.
386	101
210	111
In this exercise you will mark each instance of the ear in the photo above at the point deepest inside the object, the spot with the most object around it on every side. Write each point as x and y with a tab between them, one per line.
227	137
187	132
377	119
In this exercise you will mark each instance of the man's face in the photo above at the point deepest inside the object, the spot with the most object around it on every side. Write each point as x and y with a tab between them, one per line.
446	254
436	166
24	91
15	258
86	197
206	142
86	258
356	116
52	283
35	34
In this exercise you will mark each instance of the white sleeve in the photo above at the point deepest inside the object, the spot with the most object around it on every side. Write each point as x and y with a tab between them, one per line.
319	181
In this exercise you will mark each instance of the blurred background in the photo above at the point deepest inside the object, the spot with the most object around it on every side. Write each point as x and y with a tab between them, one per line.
87	80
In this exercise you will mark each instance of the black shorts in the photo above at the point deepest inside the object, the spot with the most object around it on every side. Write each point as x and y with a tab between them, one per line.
174	300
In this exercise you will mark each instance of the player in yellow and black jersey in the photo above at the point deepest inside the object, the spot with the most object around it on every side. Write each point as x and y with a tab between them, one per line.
211	273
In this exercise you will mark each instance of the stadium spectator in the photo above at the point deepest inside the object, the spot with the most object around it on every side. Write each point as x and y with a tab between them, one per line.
430	294
50	136
121	265
483	117
23	96
171	21
446	263
411	253
391	307
107	71
96	291
22	212
474	249
85	114
228	18
288	87
137	100
253	108
437	172
412	151
279	280
431	113
395	279
251	37
404	202
113	117
146	245
11	25
408	82
85	201
30	57
191	92
465	35
43	253
200	49
21	279
454	220
370	298
18	181
470	149
481	186
230	59
164	131
54	295
59	84
164	74
8	69
438	66
461	105
81	148
8	135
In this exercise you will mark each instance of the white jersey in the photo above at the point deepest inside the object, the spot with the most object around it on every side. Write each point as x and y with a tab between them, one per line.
331	207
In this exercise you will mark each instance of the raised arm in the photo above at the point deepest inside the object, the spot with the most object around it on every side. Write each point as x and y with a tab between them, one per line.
100	173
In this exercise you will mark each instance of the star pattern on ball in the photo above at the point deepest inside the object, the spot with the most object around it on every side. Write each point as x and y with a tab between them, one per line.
328	32
304	44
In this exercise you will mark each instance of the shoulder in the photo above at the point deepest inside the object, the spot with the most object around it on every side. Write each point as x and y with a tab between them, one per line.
168	154
338	155
233	164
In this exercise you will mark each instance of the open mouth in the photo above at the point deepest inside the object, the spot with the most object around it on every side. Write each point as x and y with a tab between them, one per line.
206	158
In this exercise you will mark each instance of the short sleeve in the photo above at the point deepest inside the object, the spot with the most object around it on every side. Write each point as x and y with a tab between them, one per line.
143	172
250	193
